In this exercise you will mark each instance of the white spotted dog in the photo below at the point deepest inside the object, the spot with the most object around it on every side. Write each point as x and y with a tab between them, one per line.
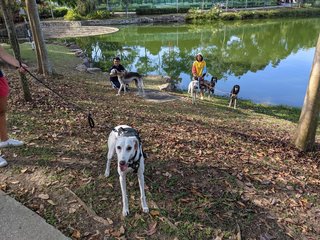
234	96
193	89
126	78
125	141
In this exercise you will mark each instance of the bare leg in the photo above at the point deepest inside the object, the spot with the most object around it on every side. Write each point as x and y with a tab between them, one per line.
3	121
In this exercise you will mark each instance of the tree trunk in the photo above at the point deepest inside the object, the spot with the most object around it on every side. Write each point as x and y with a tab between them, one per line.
44	66
6	10
304	138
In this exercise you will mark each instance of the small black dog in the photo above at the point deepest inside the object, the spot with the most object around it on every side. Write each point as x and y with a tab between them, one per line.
234	95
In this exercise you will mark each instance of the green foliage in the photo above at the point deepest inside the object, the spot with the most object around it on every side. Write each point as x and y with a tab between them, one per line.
72	15
44	11
60	12
146	10
195	15
85	7
100	14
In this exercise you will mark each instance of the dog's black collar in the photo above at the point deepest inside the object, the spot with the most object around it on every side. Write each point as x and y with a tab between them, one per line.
135	164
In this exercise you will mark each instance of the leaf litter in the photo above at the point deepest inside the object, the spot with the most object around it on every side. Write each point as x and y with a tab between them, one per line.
211	172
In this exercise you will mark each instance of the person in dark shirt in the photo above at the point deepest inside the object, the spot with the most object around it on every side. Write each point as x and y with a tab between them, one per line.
119	68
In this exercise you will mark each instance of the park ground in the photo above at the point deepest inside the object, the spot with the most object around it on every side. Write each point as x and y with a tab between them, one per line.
212	172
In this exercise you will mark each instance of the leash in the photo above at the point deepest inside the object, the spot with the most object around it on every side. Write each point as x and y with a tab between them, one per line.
221	91
90	119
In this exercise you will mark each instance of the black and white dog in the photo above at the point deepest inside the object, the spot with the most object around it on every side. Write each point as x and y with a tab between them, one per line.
125	141
126	78
234	96
210	86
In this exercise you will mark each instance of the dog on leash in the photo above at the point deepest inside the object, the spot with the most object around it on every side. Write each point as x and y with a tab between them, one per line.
193	89
126	78
125	142
210	86
234	96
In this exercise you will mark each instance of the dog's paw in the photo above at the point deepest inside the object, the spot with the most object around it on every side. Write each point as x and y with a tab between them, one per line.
107	172
145	209
125	212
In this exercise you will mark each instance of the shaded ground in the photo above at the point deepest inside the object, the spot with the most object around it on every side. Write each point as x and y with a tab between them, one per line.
158	96
211	173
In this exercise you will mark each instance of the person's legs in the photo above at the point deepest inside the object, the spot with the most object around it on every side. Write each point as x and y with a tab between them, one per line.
3	126
3	120
115	82
5	140
3	162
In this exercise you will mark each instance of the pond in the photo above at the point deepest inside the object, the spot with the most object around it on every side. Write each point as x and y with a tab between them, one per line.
270	59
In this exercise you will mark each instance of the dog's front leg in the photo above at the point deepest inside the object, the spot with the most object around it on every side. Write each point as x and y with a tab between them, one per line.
125	204
121	85
111	150
124	88
119	90
143	195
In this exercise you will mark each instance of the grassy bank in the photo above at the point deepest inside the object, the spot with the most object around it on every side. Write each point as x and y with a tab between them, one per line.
212	172
214	14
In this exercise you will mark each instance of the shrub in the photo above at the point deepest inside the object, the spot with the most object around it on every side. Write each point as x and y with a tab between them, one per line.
153	11
60	12
72	15
230	16
100	14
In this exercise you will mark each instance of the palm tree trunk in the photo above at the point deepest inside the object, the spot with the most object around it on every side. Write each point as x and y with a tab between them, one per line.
42	54
304	138
7	15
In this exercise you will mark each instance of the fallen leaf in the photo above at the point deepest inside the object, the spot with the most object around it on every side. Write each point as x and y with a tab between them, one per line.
3	186
43	196
122	230
109	221
51	202
24	170
155	213
152	229
76	234
72	210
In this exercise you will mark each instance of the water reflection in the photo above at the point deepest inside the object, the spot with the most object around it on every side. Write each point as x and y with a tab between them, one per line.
271	59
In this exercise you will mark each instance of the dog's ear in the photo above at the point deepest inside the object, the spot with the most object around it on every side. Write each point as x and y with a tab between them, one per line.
120	130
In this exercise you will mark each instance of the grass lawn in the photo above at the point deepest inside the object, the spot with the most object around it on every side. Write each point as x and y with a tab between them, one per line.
212	172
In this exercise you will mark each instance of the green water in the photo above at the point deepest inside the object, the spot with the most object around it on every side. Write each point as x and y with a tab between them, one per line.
270	59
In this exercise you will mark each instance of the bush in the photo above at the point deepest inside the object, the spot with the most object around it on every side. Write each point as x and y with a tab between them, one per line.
156	11
72	16
60	12
230	16
195	15
100	14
